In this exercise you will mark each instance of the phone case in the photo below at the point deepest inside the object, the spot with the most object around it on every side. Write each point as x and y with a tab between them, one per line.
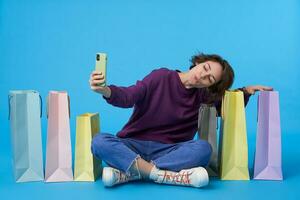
101	59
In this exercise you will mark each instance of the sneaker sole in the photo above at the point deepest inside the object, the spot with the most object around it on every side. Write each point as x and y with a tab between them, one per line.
107	175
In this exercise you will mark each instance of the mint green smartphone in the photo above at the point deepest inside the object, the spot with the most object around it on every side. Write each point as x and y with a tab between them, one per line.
101	59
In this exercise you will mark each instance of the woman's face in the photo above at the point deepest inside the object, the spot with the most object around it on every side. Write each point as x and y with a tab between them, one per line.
205	74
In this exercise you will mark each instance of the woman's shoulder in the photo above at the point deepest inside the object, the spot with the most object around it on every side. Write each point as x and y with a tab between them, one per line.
161	73
157	75
162	70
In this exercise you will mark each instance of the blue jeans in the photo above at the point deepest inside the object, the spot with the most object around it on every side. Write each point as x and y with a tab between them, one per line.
120	153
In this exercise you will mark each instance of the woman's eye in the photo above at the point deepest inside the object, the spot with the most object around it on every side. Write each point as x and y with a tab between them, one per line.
205	67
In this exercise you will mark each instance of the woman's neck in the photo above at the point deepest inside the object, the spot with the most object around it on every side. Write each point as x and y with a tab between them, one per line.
184	77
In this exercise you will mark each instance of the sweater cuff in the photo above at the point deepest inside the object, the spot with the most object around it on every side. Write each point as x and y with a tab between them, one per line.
112	97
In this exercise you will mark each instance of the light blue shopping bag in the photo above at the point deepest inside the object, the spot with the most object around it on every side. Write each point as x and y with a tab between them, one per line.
25	111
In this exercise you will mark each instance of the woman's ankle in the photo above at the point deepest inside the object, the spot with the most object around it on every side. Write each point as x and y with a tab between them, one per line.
142	167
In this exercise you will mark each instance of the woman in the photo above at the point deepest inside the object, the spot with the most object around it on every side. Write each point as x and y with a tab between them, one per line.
157	142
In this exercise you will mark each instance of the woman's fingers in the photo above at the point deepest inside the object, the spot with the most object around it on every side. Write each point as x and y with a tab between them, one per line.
267	88
264	88
96	87
96	73
97	81
93	76
97	78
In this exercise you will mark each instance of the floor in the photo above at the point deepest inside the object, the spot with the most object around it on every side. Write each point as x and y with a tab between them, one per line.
253	189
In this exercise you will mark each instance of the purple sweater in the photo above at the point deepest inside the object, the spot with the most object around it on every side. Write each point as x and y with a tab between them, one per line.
164	110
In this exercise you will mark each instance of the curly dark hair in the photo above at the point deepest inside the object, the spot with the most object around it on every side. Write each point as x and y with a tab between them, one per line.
217	90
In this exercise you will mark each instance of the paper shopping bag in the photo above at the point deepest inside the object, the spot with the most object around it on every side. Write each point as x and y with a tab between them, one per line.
207	130
58	154
25	111
267	164
87	167
234	158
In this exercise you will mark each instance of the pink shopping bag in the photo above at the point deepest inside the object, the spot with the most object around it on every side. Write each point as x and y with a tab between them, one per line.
58	153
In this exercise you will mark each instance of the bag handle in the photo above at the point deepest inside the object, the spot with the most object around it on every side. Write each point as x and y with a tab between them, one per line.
9	97
217	118
201	109
222	106
257	109
47	106
41	104
69	106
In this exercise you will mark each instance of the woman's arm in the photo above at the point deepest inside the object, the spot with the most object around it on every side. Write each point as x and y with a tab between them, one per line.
252	89
124	97
248	91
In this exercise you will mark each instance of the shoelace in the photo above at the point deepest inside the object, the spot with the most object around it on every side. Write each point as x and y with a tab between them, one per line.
178	178
121	177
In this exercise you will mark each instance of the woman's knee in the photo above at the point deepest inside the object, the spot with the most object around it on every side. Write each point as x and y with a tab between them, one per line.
100	143
203	151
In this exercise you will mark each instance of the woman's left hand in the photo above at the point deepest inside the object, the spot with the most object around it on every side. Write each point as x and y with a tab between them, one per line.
252	89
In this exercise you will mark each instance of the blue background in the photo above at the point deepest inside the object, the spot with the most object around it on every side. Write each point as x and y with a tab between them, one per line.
51	45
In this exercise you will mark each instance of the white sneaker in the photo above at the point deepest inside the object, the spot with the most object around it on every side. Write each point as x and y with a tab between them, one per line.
195	177
112	176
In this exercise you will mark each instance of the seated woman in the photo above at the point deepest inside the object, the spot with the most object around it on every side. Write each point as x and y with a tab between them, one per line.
157	142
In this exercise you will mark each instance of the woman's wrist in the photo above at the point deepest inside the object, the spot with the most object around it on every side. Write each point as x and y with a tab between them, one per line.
106	92
244	89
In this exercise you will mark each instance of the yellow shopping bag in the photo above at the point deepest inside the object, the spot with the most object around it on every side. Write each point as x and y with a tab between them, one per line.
234	155
87	167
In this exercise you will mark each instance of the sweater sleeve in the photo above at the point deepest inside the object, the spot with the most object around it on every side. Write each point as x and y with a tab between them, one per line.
246	100
127	97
